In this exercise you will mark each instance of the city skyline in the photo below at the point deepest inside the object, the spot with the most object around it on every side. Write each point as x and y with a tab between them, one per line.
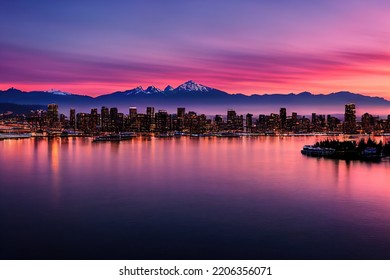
200	97
150	130
242	47
110	119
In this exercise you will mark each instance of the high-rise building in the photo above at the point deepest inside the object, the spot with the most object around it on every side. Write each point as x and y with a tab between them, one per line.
151	118
105	119
63	119
283	118
94	119
234	122
262	123
114	119
368	123
52	116
162	121
120	122
133	113
294	116
150	111
113	113
273	122
313	119
181	112
249	122
350	118
72	118
231	115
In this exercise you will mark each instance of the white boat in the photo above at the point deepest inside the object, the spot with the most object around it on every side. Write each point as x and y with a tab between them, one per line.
314	151
310	150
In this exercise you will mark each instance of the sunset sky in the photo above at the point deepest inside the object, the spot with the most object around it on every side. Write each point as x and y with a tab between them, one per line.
94	47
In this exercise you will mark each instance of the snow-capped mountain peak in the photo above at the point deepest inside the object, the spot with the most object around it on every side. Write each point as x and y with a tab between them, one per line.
169	88
136	90
192	86
58	92
152	89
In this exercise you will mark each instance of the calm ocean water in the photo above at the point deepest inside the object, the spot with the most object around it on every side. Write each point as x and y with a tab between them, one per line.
244	198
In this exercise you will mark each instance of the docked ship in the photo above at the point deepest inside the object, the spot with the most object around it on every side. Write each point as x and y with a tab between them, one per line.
115	137
310	150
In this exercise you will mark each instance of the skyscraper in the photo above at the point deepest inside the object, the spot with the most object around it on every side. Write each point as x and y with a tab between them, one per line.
162	121
231	115
150	111
367	123
283	118
94	119
114	119
133	113
52	115
150	118
180	118
249	122
350	118
105	119
72	118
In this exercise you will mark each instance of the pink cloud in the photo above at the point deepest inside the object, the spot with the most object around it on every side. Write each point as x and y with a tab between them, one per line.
233	71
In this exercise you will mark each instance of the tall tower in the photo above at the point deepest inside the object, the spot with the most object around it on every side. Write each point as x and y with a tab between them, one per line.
249	122
350	118
72	118
231	115
52	115
133	113
283	118
150	111
114	119
180	118
162	121
151	118
105	118
94	119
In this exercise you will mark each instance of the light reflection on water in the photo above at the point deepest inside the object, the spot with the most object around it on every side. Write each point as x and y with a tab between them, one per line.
246	198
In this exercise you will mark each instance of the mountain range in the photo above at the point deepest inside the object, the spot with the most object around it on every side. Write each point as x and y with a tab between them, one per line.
192	95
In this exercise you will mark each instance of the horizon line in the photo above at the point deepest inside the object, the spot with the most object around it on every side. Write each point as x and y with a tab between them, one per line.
212	88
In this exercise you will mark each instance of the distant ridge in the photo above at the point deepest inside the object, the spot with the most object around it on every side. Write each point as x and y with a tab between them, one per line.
189	93
19	109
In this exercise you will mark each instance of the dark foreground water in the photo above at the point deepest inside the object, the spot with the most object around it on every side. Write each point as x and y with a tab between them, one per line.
246	198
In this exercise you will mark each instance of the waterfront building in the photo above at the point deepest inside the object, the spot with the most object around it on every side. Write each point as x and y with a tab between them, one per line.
52	116
283	118
368	123
262	123
105	119
151	118
72	119
333	123
249	122
180	118
231	115
162	124
94	120
273	122
234	122
83	122
350	118
132	113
